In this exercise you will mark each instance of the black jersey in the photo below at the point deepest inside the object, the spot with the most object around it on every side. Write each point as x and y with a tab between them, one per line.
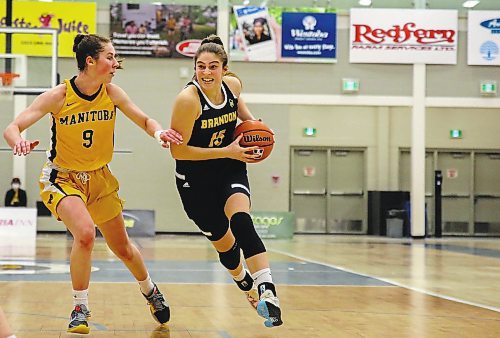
214	128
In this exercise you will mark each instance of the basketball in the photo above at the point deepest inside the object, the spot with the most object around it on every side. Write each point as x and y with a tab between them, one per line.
256	133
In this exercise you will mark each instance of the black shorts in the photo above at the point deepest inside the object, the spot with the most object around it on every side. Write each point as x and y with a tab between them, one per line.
204	201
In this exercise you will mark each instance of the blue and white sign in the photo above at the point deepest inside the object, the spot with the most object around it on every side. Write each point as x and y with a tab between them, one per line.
483	42
309	35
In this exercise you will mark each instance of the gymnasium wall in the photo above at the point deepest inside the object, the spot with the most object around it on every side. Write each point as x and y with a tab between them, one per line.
145	170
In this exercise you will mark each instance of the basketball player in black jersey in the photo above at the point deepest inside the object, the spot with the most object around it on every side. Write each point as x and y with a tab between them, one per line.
212	178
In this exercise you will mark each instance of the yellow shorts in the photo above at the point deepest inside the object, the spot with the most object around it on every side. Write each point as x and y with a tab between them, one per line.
98	189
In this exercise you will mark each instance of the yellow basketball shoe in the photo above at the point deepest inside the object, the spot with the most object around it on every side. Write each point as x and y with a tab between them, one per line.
158	306
78	320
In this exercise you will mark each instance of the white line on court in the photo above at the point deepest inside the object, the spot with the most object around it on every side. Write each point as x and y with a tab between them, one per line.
430	293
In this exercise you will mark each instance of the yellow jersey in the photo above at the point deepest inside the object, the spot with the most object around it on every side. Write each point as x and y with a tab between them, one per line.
82	132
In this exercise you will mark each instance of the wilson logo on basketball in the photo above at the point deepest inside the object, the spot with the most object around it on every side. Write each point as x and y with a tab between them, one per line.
256	138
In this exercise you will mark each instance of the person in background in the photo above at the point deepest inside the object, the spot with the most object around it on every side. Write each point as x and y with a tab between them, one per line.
260	32
16	197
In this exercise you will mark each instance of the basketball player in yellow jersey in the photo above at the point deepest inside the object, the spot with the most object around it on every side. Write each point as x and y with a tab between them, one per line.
76	183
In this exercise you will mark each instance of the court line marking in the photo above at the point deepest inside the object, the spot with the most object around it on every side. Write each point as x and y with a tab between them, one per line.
429	293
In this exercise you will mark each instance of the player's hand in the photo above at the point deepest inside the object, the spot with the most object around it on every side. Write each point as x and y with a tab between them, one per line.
244	154
24	147
165	137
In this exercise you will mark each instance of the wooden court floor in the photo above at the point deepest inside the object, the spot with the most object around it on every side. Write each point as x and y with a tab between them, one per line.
329	286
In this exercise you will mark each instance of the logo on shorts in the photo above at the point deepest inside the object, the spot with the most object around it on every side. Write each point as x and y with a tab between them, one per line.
51	197
186	185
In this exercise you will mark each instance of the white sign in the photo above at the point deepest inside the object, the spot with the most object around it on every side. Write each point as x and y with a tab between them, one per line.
403	36
483	38
17	232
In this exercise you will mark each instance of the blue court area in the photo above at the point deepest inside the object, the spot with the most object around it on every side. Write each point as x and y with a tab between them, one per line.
202	272
466	250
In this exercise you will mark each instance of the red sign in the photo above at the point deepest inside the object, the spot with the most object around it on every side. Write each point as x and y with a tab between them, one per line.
188	47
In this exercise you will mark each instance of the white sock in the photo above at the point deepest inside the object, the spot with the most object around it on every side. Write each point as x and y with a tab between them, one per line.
12	336
146	286
262	276
81	297
241	275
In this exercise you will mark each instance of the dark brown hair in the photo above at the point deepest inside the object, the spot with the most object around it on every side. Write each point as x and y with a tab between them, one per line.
212	44
88	45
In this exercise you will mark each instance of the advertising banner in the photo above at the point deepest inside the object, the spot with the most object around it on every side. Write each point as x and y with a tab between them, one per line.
155	30
272	224
69	18
311	35
403	36
282	34
139	223
483	38
17	232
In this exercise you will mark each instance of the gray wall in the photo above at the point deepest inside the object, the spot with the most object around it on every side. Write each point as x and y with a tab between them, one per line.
146	173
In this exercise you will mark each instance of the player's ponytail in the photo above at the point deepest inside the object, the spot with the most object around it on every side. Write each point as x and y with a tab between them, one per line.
212	39
212	44
76	42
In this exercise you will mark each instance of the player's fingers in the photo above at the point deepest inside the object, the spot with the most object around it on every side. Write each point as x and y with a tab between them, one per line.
171	135
238	138
22	147
250	150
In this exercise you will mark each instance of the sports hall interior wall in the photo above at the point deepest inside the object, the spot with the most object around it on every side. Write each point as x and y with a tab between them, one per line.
145	170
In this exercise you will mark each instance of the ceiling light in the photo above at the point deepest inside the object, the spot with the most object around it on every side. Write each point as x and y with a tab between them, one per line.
470	3
365	2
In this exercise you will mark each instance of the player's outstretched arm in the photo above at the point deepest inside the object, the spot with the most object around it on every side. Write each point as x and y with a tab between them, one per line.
50	101
136	115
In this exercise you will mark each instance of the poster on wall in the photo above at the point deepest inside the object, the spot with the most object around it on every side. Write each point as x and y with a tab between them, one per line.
483	38
281	34
155	30
403	36
68	18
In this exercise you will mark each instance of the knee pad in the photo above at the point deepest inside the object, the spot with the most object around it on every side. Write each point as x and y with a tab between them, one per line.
231	258
245	234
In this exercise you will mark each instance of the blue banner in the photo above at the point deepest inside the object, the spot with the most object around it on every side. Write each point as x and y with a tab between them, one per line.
309	35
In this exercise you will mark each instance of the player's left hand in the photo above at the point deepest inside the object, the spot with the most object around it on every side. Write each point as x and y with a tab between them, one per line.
24	147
